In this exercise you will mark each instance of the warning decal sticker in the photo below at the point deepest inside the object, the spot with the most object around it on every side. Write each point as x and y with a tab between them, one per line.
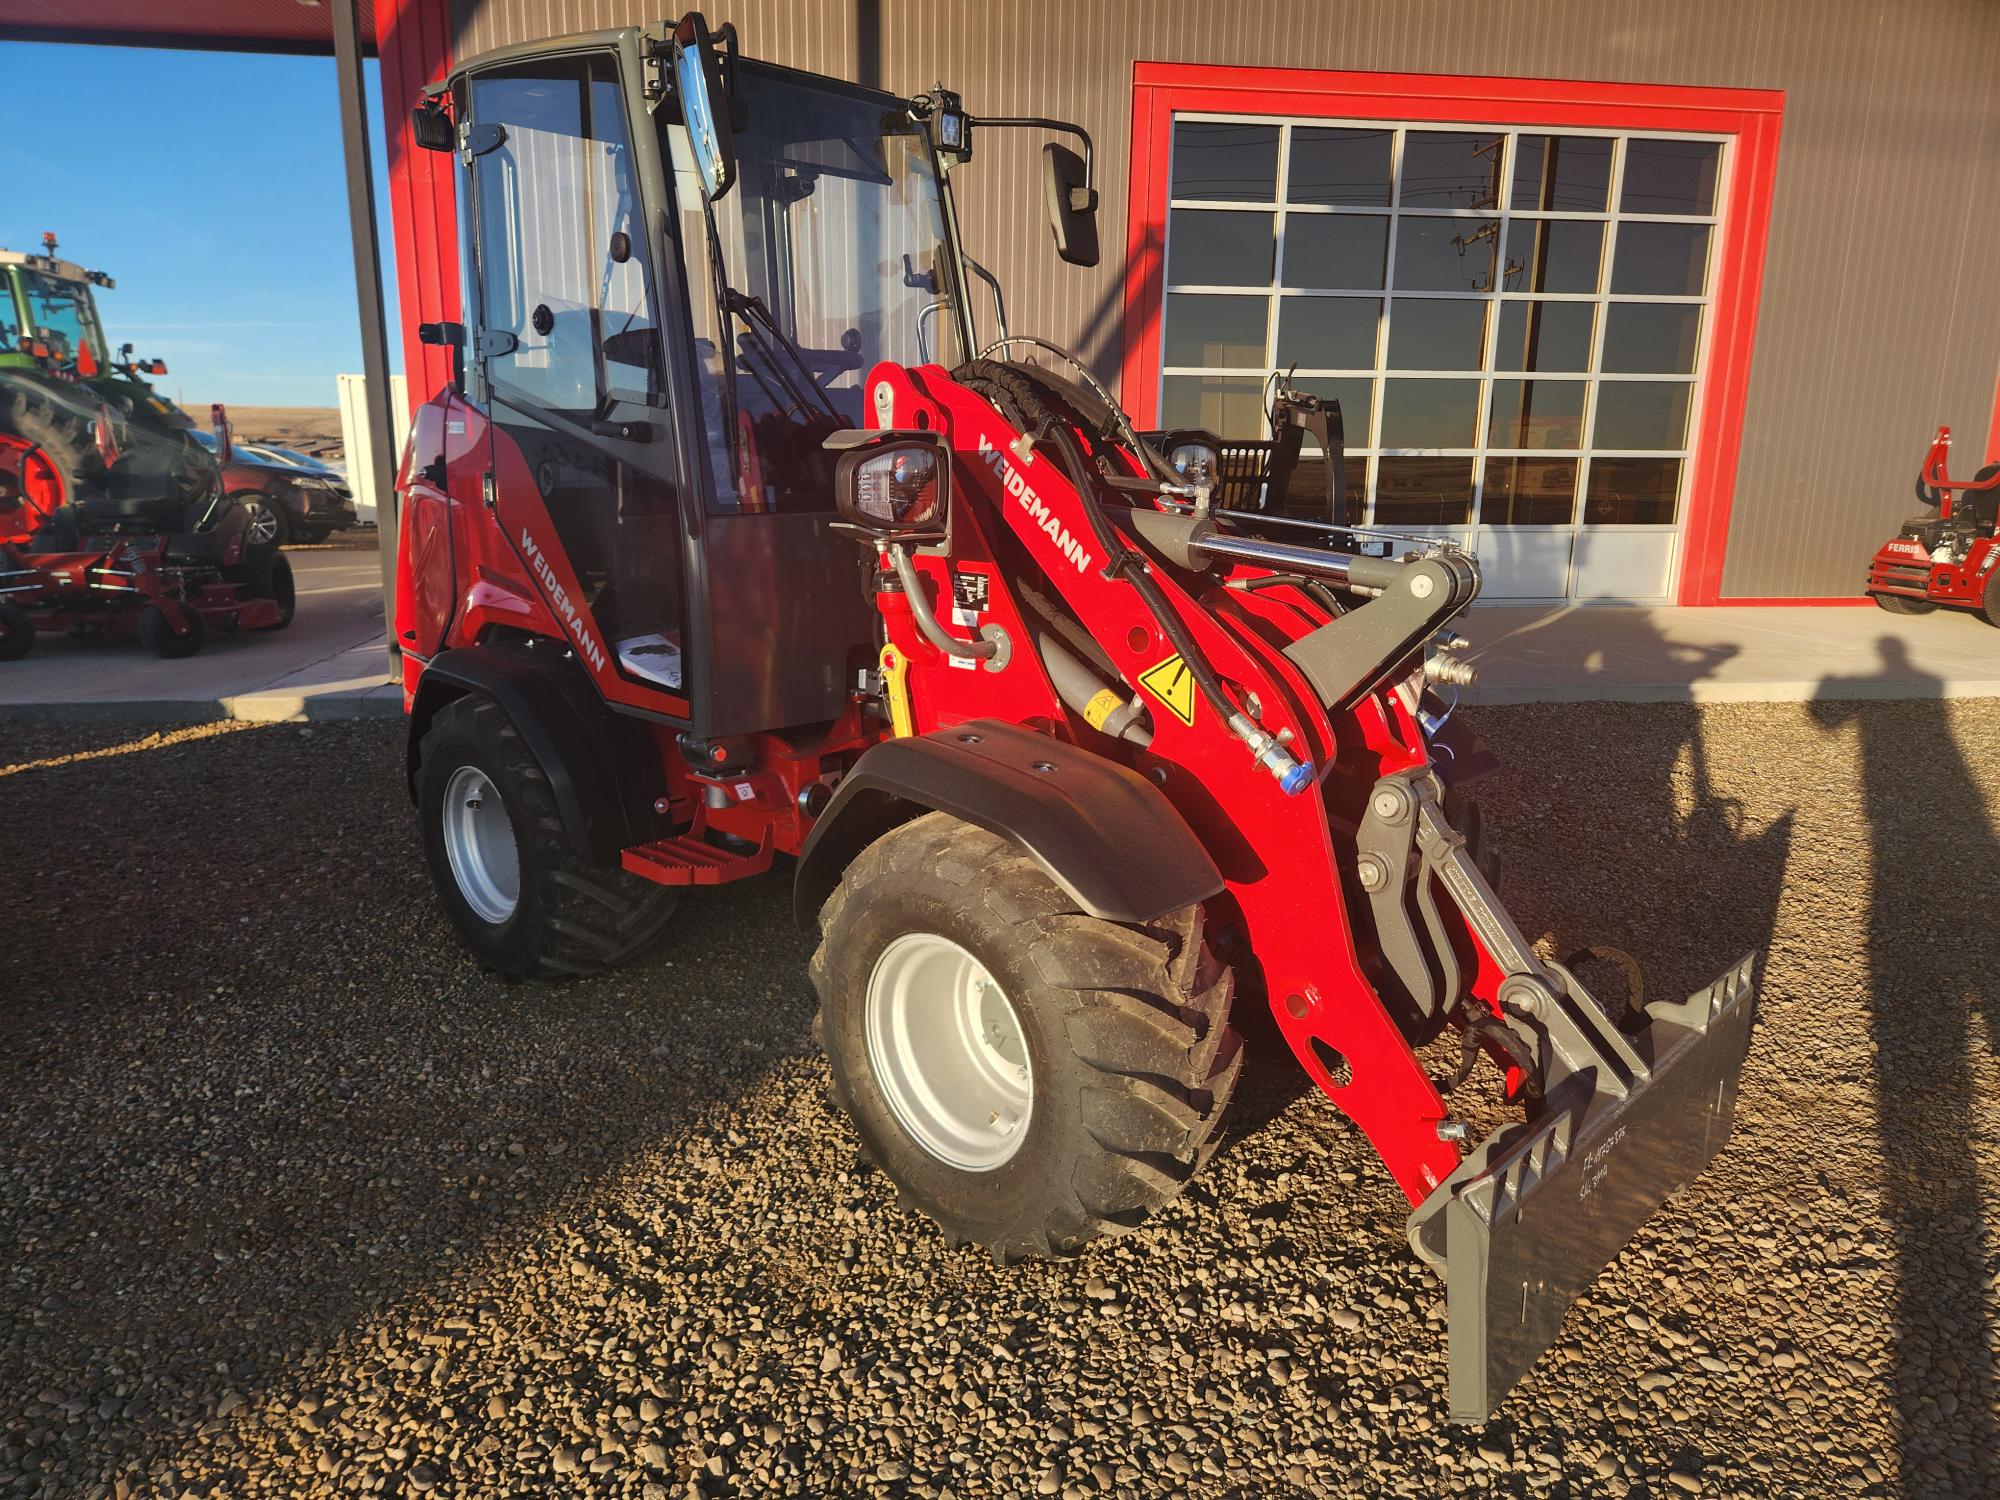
1173	684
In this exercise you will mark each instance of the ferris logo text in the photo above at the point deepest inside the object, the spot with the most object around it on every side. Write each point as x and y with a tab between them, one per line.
574	618
1033	504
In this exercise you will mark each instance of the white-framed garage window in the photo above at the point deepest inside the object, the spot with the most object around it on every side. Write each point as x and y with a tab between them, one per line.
1514	319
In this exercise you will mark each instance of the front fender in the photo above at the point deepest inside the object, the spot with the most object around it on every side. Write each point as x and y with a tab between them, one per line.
1100	830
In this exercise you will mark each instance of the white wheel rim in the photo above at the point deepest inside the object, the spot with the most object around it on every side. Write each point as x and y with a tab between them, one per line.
479	842
948	1052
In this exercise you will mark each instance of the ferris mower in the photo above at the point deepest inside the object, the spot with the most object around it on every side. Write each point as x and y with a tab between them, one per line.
1949	556
726	540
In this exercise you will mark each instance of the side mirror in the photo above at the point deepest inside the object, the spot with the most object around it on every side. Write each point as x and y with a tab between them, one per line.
432	127
1072	204
892	486
704	104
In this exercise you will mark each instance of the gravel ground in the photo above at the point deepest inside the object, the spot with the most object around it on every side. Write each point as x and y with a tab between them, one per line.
293	1201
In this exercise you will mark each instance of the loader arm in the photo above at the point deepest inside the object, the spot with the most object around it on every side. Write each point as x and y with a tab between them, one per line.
1315	651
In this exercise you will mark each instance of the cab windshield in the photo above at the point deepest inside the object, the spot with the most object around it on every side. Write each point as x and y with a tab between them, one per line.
826	257
62	308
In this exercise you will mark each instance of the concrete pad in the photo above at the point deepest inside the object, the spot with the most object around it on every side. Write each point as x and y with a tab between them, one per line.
331	663
1586	653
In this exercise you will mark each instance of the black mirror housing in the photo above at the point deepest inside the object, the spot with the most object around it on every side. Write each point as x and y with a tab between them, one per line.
432	127
705	104
1072	204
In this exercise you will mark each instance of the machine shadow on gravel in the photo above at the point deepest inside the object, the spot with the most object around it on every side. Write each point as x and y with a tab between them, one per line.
1629	858
251	1092
1924	990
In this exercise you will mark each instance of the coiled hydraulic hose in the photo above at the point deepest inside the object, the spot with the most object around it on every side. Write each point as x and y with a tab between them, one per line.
1024	398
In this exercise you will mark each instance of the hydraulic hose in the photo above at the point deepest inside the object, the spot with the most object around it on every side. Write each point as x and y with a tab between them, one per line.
920	611
1013	390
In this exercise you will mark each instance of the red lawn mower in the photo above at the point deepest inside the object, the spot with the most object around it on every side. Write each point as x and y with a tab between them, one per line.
1951	555
108	562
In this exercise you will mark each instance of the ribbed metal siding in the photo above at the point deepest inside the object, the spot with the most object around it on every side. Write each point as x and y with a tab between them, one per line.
1881	306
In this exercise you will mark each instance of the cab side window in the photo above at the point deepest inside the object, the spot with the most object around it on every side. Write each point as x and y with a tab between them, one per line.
563	262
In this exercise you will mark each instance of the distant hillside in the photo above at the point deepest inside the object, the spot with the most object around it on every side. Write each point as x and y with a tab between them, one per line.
310	429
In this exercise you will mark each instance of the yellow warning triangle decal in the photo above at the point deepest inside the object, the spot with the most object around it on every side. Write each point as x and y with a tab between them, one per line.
1173	684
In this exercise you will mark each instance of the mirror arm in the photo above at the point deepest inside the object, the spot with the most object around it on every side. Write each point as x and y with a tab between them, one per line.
1061	127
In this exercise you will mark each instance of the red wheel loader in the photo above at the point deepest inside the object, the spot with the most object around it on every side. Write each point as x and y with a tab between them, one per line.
728	540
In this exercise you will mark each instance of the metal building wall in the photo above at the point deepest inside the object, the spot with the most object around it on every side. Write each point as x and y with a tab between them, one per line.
1881	306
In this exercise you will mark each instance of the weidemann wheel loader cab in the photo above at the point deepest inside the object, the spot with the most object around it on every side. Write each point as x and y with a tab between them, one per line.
729	541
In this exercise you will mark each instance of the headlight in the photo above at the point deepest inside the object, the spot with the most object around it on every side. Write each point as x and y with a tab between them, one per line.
895	487
1197	463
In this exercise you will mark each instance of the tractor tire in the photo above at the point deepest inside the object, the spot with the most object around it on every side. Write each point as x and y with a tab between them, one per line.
158	633
269	526
1080	1104
1903	604
17	632
67	444
265	574
523	902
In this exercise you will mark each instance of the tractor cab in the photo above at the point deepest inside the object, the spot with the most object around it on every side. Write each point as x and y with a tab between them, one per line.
48	315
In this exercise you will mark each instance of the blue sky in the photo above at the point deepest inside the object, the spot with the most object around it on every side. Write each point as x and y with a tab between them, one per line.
210	185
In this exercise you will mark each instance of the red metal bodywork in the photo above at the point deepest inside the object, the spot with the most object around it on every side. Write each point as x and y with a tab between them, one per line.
471	560
1904	567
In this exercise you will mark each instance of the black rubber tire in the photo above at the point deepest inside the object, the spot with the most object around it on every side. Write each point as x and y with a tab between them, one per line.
1903	604
265	574
574	918
1989	602
17	632
255	500
159	636
1131	1052
69	445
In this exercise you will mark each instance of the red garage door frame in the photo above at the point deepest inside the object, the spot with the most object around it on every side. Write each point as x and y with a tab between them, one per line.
1751	117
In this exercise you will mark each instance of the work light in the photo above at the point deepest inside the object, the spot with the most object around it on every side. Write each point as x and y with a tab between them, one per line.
892	485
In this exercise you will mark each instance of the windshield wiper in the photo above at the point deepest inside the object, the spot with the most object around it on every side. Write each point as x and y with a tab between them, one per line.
761	326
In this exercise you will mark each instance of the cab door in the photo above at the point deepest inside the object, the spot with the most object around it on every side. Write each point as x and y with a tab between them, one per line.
586	478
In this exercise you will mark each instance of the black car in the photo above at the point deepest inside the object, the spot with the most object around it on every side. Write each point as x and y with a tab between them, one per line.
292	498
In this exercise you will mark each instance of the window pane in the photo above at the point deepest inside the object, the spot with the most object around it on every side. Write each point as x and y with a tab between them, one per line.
1554	255
1650	338
1669	177
1536	414
1328	333
1347	167
1205	331
1570	173
1430	413
1207	247
1336	251
1641	414
1356	396
1445	255
1448	169
1632	492
1225	160
1544	336
1228	407
1529	492
1423	491
1667	260
1429	333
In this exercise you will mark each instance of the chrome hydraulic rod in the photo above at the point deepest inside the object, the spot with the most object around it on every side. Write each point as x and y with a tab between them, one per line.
1282	557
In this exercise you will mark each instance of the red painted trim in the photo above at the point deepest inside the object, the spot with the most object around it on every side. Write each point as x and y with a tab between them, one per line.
1751	116
413	38
1993	427
1825	601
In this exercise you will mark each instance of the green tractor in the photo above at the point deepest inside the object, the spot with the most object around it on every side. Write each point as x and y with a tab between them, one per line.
75	420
